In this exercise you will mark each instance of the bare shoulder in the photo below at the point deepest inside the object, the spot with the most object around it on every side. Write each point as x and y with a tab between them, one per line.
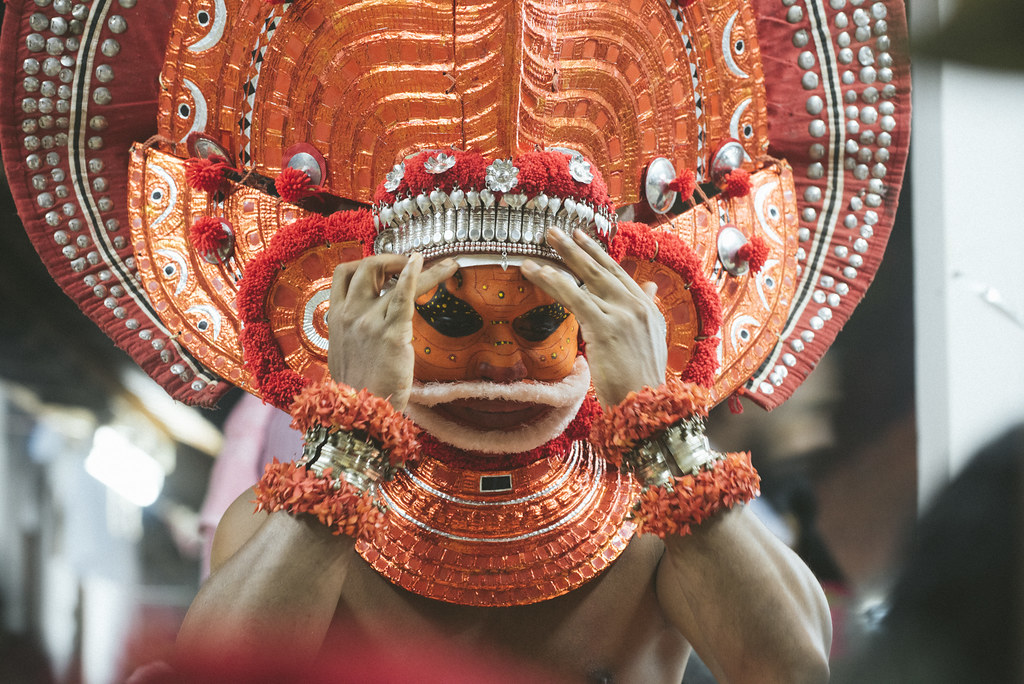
238	524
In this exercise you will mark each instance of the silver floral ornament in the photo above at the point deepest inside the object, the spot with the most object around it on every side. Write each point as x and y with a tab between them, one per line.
579	169
502	176
439	164
394	177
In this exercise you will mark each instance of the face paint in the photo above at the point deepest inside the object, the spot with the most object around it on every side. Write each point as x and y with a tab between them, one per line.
486	323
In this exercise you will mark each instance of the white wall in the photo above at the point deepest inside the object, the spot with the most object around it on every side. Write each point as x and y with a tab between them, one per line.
967	164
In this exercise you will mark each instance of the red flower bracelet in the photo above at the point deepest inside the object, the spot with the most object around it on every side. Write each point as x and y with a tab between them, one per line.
327	409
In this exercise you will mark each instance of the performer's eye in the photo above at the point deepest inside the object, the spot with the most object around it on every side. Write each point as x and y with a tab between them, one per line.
537	324
449	315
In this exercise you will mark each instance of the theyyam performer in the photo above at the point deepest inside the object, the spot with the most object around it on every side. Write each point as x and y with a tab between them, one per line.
498	259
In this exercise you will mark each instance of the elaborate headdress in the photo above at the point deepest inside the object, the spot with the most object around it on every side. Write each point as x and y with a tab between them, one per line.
746	155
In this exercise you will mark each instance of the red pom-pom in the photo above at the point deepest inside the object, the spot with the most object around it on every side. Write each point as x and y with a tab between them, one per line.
294	185
736	184
685	184
754	252
206	174
208	235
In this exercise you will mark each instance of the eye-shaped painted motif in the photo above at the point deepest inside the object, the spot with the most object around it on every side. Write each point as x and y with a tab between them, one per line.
191	109
733	46
175	268
741	126
741	330
163	195
210	22
449	315
539	323
209	319
769	217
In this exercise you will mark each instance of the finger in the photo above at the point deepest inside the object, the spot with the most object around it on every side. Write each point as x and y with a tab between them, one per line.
596	251
563	289
437	273
401	300
579	262
372	273
340	281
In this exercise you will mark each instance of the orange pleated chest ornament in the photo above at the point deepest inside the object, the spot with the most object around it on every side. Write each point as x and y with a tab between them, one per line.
745	155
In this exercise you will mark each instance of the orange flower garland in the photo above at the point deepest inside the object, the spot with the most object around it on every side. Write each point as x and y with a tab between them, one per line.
332	500
336	406
645	413
692	499
336	504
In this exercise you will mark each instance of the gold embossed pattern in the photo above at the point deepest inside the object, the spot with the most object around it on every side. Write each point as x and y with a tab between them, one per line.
369	83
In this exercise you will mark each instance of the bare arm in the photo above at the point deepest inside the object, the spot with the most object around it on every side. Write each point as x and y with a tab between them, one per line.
747	603
276	579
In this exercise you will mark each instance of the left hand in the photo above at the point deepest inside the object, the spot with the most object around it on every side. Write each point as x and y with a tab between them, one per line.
621	324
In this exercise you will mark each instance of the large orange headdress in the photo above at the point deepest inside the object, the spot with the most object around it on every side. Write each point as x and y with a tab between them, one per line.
746	155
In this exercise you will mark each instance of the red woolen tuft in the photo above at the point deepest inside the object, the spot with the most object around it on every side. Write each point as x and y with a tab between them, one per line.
342	226
208	235
684	184
252	289
635	239
206	174
533	174
294	185
700	370
280	387
736	184
382	196
260	351
754	252
297	237
735	405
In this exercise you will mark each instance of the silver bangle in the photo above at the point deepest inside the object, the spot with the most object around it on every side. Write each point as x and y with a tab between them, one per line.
681	449
359	462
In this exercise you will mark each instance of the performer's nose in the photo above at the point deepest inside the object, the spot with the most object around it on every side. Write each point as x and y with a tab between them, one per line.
508	370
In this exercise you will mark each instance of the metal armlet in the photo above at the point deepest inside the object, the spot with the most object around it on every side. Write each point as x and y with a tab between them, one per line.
681	449
358	461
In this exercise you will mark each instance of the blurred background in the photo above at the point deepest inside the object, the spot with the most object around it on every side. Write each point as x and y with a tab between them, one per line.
98	562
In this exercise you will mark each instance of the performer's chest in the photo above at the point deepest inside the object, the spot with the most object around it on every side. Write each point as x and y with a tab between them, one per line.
612	625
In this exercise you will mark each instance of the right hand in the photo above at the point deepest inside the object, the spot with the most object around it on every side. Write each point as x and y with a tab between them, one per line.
370	334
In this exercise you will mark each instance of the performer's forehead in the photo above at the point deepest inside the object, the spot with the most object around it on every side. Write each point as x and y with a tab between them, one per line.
496	289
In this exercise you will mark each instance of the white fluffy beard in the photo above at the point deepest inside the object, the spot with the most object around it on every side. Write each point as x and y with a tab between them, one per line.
564	397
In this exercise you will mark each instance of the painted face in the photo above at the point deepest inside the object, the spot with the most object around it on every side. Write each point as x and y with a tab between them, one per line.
486	323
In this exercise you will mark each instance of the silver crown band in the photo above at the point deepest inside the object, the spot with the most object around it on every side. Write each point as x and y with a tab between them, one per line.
438	227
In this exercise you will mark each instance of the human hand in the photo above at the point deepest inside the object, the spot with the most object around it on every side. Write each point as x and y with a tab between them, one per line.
621	324
370	333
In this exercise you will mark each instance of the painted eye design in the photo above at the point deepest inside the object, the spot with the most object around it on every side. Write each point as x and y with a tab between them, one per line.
773	212
156	195
538	324
748	130
203	17
739	46
449	315
170	270
184	110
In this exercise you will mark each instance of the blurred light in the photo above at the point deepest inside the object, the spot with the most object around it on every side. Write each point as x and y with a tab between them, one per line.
124	468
